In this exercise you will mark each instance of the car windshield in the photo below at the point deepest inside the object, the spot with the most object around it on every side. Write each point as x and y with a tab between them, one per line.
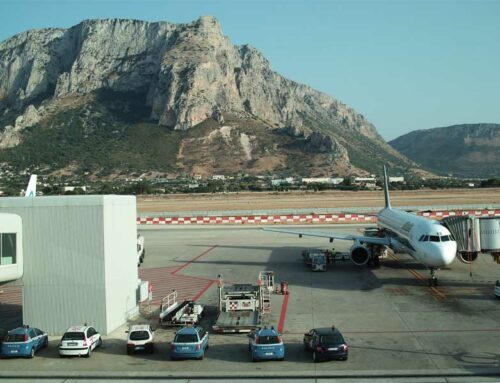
139	335
14	338
332	339
185	338
73	336
270	339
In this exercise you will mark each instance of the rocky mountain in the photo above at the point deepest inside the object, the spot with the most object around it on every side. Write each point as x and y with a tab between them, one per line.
110	97
468	150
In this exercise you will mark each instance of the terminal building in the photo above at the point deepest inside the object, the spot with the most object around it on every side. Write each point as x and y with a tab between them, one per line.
77	256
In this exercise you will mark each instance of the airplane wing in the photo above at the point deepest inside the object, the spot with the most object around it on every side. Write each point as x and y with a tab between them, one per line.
323	234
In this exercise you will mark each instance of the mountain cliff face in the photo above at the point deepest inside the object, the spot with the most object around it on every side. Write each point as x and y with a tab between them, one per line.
469	150
111	75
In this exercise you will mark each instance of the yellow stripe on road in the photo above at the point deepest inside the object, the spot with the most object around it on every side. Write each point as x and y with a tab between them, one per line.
437	293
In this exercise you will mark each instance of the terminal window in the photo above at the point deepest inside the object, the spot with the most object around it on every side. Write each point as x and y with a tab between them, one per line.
7	248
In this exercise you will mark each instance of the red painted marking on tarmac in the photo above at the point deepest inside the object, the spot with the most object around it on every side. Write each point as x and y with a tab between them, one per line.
194	259
203	291
284	307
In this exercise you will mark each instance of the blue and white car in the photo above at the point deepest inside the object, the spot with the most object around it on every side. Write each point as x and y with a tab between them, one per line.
266	343
24	341
189	343
79	341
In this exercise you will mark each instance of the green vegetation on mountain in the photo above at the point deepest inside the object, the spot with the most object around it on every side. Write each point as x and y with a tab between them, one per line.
469	150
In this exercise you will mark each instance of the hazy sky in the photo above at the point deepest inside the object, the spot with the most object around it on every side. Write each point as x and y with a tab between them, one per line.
405	65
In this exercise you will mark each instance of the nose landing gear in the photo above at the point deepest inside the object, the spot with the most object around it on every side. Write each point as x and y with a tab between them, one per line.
433	280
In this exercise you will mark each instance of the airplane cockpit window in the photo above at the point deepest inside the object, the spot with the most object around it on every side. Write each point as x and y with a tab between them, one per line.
434	238
426	238
445	238
421	238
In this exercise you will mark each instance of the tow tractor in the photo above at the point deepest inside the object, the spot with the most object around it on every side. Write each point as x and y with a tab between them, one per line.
174	313
315	259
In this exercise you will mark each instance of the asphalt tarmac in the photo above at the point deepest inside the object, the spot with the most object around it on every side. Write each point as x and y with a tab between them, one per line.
397	327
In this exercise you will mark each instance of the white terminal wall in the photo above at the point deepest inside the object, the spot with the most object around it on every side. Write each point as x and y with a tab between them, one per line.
80	261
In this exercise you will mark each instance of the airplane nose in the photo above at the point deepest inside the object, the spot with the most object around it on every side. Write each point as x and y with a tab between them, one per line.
448	253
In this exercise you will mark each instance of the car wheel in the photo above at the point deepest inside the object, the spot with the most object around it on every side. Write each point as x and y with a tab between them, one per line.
32	353
315	357
87	355
46	343
99	342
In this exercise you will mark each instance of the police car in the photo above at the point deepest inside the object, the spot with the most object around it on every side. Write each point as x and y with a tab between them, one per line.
79	341
266	343
24	341
140	338
189	342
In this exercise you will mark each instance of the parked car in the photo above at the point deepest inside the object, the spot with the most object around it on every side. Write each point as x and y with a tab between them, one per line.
24	341
497	289
189	342
266	343
326	344
79	341
140	338
3	333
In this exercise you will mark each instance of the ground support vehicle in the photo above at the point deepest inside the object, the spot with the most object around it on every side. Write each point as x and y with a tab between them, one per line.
326	344
174	313
189	312
190	342
79	341
265	344
24	341
140	338
315	259
141	251
239	306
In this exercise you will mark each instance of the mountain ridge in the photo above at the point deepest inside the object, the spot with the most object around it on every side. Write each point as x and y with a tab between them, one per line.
183	75
464	150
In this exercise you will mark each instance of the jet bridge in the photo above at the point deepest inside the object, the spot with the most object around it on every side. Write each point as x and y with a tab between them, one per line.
474	236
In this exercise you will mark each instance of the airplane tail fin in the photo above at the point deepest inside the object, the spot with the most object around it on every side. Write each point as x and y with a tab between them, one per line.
386	190
31	190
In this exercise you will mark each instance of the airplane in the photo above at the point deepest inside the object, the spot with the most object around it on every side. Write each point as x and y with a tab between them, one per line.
31	189
426	240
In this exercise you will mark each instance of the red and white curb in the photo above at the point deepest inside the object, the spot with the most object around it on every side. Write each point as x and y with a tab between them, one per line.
298	218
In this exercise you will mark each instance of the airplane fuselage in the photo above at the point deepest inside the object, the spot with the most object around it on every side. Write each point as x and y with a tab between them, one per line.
426	240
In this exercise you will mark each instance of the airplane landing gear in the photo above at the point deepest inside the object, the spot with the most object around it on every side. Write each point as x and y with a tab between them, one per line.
433	281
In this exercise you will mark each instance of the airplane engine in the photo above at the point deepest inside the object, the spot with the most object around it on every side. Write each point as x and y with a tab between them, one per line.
360	255
468	257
